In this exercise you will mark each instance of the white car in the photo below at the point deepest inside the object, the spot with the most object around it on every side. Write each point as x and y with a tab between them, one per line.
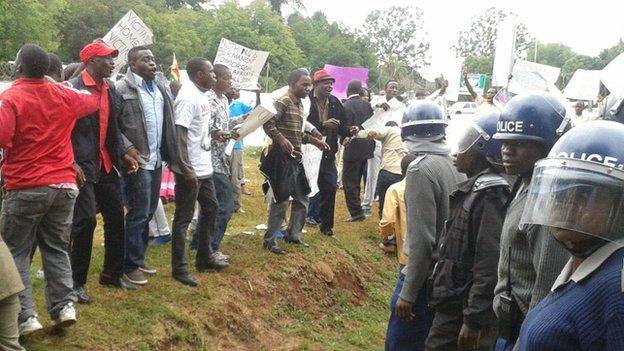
463	108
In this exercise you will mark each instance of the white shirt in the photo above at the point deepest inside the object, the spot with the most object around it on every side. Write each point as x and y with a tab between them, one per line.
192	111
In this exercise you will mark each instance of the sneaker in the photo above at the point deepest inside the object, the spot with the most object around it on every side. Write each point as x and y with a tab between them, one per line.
212	264
81	294
273	248
135	277
116	282
311	222
147	269
358	218
160	240
220	256
66	317
30	326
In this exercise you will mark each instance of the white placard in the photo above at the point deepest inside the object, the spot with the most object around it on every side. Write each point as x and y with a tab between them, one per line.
245	64
257	117
129	32
612	74
381	117
311	158
504	55
584	85
530	76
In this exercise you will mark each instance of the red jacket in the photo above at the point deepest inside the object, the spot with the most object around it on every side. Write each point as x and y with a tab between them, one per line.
36	121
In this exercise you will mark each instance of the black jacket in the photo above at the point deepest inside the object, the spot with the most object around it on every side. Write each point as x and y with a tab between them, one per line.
468	249
357	112
283	172
86	135
336	110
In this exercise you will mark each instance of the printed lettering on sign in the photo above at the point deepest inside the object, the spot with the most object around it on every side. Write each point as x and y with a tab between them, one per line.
244	63
510	126
129	32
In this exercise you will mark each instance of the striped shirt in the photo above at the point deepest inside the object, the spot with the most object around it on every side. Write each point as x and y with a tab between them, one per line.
288	122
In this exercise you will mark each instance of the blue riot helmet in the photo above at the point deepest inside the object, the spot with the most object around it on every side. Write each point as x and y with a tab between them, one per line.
578	190
478	136
423	119
533	116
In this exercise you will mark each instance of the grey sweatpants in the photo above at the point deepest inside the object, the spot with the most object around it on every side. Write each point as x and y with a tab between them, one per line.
9	331
44	214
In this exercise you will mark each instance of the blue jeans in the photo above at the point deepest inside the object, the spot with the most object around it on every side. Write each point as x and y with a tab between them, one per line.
143	190
411	335
504	345
225	197
314	207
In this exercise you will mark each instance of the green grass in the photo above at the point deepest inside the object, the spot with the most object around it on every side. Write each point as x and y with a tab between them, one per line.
262	302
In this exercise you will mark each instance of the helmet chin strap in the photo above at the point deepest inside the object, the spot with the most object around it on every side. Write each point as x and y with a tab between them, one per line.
585	248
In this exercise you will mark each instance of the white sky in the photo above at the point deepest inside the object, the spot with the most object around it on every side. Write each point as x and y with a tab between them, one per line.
585	26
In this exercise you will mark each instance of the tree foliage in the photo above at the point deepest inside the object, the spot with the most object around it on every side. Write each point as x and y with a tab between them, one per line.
479	38
398	33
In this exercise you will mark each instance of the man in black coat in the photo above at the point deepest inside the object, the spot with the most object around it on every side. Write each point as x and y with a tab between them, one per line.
327	115
357	151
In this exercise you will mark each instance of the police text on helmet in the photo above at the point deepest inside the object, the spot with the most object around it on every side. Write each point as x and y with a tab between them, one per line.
510	126
606	160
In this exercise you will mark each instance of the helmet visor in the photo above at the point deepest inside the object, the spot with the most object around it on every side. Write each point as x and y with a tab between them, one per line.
579	199
473	136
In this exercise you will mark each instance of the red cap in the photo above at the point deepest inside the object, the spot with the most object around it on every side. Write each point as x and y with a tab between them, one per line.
322	75
97	49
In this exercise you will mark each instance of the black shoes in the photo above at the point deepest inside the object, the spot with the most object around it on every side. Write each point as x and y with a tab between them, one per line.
296	242
273	248
358	218
116	283
328	232
212	264
185	279
82	295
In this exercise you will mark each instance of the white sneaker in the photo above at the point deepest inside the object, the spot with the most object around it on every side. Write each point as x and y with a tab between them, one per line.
66	317
30	326
220	256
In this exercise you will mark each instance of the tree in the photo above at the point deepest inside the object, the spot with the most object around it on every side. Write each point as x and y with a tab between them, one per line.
398	33
276	5
177	4
479	38
28	21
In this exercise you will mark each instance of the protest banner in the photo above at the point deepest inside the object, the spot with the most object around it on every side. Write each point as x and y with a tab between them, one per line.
245	64
129	32
612	74
530	76
583	85
257	117
504	54
343	76
381	117
311	158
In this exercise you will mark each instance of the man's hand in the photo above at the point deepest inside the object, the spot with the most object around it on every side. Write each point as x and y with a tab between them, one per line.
353	130
373	134
192	182
331	124
468	339
220	136
346	142
383	105
315	133
234	135
131	160
285	145
80	176
403	310
319	143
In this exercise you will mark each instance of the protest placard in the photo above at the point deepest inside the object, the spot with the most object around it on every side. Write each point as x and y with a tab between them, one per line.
583	85
381	117
257	117
505	48
343	75
530	76
311	158
612	74
245	64
129	32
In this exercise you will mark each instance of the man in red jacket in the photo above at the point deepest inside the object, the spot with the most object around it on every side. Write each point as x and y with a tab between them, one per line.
36	121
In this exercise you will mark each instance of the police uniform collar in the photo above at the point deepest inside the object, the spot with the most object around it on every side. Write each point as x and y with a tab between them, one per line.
588	266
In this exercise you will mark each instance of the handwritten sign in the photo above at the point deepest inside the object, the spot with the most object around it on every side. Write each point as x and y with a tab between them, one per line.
245	64
129	32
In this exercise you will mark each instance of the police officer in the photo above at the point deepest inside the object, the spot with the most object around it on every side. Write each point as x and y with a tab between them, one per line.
578	192
530	258
465	274
430	179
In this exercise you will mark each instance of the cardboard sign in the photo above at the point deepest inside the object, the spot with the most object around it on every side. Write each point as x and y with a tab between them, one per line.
505	48
129	32
584	85
612	74
343	75
244	63
530	76
381	117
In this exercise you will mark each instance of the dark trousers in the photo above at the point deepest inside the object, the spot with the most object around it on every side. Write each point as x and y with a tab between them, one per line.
185	199
328	185
408	335
352	174
104	195
384	180
225	197
314	207
446	326
143	191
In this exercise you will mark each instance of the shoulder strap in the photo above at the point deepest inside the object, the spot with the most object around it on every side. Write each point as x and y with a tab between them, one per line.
489	180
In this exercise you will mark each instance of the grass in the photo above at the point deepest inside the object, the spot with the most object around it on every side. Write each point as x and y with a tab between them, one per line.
261	302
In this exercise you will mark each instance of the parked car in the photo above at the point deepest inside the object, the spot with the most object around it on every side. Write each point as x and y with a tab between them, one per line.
463	108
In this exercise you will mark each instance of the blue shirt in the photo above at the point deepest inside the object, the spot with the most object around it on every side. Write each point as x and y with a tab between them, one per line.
153	110
584	311
238	108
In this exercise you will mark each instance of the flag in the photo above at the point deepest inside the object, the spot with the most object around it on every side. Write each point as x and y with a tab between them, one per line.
175	69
